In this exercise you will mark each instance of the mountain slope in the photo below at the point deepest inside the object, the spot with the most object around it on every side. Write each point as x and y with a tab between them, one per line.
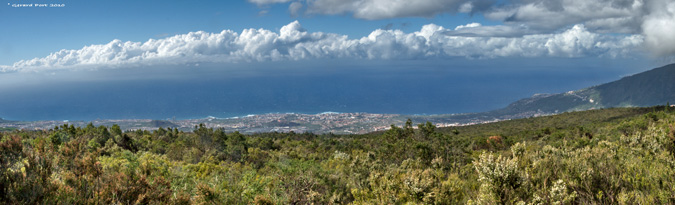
649	88
653	87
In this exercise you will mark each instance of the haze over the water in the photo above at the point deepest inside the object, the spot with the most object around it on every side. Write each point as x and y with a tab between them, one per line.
85	60
408	88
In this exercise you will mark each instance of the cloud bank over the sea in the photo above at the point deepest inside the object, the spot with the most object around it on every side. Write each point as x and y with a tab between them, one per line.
653	19
292	42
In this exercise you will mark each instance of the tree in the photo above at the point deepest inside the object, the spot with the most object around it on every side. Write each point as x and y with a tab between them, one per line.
127	143
219	139
394	133
204	135
427	129
408	128
236	146
115	130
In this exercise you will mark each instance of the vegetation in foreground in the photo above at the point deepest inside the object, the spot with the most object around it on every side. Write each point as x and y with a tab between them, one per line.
610	156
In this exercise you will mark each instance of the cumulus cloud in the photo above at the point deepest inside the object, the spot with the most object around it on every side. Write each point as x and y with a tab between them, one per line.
653	19
659	28
608	16
293	42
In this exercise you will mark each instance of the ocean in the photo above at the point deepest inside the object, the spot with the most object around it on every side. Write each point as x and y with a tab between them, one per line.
198	91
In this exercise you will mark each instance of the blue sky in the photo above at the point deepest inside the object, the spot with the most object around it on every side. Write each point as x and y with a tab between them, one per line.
36	32
570	44
474	29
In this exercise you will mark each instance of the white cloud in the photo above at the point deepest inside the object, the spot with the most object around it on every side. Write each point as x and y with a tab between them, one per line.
264	2
659	28
293	42
478	30
294	8
382	9
470	25
467	7
574	42
653	19
607	16
5	69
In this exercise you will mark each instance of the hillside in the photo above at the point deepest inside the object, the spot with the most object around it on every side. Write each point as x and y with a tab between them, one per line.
653	87
649	88
604	156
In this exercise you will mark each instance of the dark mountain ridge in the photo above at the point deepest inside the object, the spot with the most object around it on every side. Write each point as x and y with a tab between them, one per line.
649	88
